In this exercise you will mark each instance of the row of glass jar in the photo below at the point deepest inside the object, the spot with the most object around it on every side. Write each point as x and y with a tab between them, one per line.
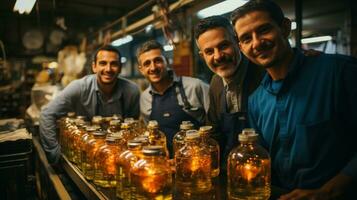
144	173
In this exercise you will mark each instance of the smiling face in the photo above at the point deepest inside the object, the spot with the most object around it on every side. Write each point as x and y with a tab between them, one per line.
153	65
106	67
261	39
219	50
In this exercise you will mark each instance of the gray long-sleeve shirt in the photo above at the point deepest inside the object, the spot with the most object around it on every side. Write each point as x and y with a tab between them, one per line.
84	97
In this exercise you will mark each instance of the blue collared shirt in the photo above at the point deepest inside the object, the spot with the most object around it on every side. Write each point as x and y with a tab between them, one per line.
195	90
84	97
308	120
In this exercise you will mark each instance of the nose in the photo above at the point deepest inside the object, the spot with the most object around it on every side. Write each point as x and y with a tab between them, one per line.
107	67
256	41
217	54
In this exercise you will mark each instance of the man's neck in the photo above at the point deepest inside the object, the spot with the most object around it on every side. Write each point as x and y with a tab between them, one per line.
107	90
161	86
280	70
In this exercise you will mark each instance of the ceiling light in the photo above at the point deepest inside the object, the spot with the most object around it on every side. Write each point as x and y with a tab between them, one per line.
168	47
221	8
316	39
24	6
122	40
123	59
293	25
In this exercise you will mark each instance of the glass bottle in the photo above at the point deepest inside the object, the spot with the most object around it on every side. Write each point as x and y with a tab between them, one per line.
97	121
78	122
126	131
152	176
125	162
248	169
105	164
68	127
155	136
86	137
89	152
205	132
193	166
77	142
105	123
114	126
179	138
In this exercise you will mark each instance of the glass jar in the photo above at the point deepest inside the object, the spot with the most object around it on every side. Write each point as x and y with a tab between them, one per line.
155	136
125	162
152	176
248	169
97	121
105	164
205	132
89	151
73	138
114	126
67	127
193	166
179	138
88	135
77	142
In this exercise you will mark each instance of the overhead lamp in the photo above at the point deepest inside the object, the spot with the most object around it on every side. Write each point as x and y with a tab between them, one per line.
316	39
122	40
24	6
220	8
168	47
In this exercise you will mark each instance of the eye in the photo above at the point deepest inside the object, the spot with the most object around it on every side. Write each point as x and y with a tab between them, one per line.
115	64
102	63
224	46
146	63
158	60
208	51
245	39
264	29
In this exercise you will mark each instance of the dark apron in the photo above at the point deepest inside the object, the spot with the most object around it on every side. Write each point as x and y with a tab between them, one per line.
169	114
231	124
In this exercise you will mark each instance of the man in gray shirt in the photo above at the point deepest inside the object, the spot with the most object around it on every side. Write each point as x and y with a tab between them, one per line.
102	93
169	99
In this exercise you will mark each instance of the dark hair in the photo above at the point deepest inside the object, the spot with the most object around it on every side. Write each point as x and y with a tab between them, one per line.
147	46
268	6
106	48
213	22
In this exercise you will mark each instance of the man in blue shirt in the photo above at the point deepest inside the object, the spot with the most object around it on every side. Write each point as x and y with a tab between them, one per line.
102	93
169	99
305	107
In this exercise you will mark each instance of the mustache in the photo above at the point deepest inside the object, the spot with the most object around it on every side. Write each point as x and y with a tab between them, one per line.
223	60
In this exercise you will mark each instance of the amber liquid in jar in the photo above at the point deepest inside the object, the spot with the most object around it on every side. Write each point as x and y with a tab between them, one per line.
248	169
152	175
105	164
193	166
125	189
89	152
213	146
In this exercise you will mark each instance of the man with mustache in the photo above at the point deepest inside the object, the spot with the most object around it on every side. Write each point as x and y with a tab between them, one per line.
102	93
305	107
169	99
234	80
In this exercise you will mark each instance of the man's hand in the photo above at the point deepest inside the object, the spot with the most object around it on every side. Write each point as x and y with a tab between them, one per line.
333	189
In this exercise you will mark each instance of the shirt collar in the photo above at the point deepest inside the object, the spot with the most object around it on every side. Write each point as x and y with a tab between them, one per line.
294	68
175	80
